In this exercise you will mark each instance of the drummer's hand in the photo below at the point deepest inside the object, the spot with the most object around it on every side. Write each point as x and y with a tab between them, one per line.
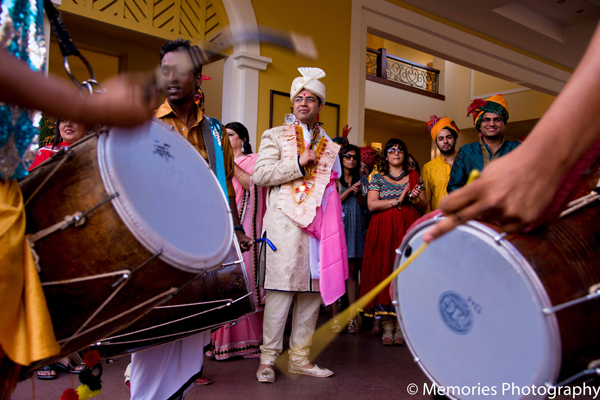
128	101
512	191
244	241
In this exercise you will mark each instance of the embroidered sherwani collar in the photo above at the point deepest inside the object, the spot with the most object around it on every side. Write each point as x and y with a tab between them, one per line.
300	198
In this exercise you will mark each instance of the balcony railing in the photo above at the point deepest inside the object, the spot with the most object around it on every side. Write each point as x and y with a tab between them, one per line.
403	74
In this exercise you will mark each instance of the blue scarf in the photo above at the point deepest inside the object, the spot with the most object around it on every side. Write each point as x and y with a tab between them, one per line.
217	132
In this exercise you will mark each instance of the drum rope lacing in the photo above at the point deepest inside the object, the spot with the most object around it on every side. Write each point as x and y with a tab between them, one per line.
78	219
241	319
166	293
230	301
180	335
121	282
582	201
47	178
64	155
123	272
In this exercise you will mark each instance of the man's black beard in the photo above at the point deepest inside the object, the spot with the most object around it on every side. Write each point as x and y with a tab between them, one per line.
451	151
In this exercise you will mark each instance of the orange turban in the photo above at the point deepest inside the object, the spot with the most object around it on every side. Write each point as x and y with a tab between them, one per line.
435	125
496	104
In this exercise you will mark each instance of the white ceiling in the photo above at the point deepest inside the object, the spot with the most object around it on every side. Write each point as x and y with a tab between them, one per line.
556	30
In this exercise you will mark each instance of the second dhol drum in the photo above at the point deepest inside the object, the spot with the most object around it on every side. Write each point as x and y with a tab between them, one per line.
119	224
515	315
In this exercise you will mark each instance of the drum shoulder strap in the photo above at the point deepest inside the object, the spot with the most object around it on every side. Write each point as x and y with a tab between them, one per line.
209	143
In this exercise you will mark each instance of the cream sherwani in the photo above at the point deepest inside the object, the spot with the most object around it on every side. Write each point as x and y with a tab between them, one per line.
288	272
288	267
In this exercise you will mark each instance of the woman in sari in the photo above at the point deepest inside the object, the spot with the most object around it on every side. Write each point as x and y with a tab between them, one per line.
244	338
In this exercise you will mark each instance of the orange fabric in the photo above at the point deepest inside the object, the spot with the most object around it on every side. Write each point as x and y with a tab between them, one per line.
441	124
26	333
498	98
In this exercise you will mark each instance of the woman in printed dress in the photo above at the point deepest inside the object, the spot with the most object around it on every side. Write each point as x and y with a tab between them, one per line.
244	338
352	187
396	200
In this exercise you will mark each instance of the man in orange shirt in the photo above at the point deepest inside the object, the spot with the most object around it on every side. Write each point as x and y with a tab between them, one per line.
168	371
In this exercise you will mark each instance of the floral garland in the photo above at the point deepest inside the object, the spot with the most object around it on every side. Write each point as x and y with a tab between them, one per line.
91	384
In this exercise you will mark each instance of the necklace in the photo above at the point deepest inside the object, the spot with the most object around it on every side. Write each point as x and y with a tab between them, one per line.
396	178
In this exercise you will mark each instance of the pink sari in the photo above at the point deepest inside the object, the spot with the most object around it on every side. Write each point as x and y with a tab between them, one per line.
245	338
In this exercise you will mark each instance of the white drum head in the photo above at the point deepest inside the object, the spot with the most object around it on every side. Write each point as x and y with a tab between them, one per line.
168	196
471	312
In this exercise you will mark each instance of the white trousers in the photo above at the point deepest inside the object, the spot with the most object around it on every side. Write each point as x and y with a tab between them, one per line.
304	322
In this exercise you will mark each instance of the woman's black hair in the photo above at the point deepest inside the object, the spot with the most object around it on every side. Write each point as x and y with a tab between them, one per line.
385	165
57	137
355	172
242	132
417	167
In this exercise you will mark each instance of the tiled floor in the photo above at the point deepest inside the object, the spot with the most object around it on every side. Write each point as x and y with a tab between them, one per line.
363	367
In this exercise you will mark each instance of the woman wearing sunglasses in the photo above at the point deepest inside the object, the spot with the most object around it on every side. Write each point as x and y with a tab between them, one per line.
352	187
396	200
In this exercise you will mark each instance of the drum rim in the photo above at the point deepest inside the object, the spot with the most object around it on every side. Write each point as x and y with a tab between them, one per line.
130	224
525	267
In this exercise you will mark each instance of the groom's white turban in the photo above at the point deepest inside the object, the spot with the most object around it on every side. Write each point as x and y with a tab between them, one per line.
309	81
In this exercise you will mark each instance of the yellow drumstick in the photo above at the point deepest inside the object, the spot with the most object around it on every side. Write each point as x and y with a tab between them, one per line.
473	175
323	336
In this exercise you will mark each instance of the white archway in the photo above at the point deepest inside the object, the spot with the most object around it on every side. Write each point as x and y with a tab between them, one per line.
418	31
240	74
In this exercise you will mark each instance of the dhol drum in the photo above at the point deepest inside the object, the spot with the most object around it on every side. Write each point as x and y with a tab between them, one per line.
508	315
208	302
118	224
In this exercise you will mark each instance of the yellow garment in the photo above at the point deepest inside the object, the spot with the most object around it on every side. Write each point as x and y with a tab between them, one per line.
194	135
26	333
436	174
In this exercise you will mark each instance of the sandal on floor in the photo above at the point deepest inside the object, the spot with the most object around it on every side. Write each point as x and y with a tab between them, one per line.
336	327
46	373
398	340
202	381
376	330
68	368
387	339
353	326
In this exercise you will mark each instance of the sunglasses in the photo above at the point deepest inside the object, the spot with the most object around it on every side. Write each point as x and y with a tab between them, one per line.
395	150
350	157
412	164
